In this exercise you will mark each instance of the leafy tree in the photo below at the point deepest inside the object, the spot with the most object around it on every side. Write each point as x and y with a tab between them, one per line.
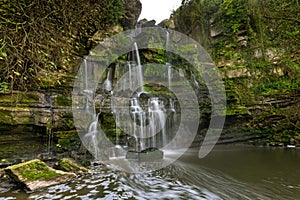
40	36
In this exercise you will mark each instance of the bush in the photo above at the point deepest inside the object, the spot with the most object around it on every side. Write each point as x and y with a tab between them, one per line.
45	36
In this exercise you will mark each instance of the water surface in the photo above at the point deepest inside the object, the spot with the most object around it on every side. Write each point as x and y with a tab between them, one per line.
229	172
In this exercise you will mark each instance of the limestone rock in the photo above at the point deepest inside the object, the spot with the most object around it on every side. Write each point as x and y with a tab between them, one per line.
145	23
35	174
150	154
100	35
167	23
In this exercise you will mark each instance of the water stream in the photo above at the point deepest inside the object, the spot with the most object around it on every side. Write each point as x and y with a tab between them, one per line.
228	172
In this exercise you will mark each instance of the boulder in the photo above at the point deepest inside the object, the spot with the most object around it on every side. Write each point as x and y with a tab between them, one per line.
132	11
70	165
36	174
167	23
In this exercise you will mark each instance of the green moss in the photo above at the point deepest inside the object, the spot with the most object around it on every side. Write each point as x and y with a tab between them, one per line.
70	165
35	170
67	166
10	116
157	90
277	86
233	67
63	100
5	117
15	99
236	110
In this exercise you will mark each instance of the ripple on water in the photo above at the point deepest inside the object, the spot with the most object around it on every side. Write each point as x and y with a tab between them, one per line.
177	181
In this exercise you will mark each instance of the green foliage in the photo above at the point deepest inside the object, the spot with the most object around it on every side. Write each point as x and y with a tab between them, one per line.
67	140
40	37
261	25
3	86
262	37
277	86
160	56
63	100
279	125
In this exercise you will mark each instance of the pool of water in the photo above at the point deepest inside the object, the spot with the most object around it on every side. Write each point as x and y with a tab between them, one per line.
228	172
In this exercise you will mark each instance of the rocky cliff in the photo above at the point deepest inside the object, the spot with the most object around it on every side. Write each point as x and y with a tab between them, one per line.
39	57
255	44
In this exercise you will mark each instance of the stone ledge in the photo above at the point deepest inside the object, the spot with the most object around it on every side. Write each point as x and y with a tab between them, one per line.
35	174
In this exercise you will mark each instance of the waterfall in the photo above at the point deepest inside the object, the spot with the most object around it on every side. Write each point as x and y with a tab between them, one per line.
138	123
93	132
50	122
87	92
169	75
143	120
85	74
167	41
107	85
168	59
157	119
139	76
171	116
130	75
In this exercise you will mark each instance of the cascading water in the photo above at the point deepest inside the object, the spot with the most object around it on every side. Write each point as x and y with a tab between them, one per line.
107	85
151	122
169	75
151	107
92	132
139	75
138	123
87	92
157	120
130	65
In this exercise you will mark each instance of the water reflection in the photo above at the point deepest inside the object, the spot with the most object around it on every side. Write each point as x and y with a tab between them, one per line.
227	173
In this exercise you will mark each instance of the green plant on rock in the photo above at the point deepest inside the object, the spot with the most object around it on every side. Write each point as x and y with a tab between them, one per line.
37	170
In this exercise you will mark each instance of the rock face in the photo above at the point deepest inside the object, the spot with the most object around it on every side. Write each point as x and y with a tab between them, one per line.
150	154
30	117
261	76
133	10
36	174
70	165
46	109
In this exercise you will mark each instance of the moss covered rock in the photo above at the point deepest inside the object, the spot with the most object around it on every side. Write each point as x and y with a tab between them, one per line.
36	174
70	165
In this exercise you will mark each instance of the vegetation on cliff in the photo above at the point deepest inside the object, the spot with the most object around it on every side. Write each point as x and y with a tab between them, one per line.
256	45
41	38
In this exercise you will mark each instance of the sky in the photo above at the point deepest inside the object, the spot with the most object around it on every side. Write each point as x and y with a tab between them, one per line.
158	9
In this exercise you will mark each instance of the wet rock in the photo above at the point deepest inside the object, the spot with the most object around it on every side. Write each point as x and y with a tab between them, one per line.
150	154
36	109
70	165
35	174
45	156
132	11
